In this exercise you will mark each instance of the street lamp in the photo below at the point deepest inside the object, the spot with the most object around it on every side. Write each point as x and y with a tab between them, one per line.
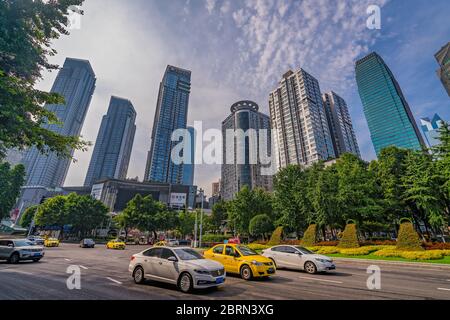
201	216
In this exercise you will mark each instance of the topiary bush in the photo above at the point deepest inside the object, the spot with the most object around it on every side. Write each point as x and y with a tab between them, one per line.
277	237
408	239
310	236
327	250
257	246
349	237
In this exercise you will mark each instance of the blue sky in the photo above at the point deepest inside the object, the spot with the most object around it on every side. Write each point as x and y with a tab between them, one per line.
239	50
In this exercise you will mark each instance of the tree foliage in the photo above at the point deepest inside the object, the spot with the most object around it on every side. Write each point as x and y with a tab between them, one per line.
261	225
11	180
408	239
349	237
310	236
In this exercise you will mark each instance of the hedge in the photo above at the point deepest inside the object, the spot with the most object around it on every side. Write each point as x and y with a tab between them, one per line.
257	246
310	236
215	237
408	239
349	237
277	237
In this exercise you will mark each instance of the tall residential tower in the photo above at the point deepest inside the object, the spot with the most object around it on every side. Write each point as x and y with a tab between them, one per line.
76	82
388	115
430	129
443	58
112	151
171	114
299	121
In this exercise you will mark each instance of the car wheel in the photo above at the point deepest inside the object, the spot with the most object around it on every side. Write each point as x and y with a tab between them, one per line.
246	273
138	275
185	283
274	263
14	258
310	267
36	260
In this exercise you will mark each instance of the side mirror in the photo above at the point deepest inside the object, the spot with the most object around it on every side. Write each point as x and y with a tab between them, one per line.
237	255
172	259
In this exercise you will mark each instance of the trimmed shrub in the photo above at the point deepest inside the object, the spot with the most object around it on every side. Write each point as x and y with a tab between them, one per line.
277	237
362	251
408	239
215	237
423	255
257	246
327	250
327	243
387	253
310	236
349	237
437	246
314	248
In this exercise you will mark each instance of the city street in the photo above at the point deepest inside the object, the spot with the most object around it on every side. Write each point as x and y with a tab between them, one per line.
104	275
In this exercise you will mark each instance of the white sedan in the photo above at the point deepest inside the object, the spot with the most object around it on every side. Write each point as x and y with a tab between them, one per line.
183	267
299	258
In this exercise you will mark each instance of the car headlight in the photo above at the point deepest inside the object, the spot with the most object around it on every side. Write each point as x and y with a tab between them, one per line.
322	260
256	263
206	272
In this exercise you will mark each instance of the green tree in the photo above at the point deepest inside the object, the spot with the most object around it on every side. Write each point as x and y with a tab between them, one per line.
441	154
261	225
219	215
186	223
28	215
11	180
52	213
27	31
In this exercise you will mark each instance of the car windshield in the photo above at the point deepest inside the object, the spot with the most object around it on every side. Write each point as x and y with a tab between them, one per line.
88	240
246	251
188	254
23	243
304	250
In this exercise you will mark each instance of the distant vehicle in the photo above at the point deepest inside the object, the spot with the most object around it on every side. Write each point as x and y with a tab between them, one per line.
172	242
87	243
116	244
37	240
51	242
241	260
299	258
234	241
186	243
183	267
16	250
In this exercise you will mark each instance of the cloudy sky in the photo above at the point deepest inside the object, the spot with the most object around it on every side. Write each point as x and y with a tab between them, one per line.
238	50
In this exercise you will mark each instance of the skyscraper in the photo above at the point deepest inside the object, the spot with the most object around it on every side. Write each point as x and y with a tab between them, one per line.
171	114
430	129
302	135
443	58
242	165
388	115
189	168
340	124
76	82
112	151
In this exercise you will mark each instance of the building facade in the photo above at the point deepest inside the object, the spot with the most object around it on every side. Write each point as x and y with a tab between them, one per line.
340	125
299	121
430	129
189	168
388	115
76	82
443	58
171	114
115	138
242	165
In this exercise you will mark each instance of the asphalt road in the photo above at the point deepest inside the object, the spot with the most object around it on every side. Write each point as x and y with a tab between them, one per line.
104	276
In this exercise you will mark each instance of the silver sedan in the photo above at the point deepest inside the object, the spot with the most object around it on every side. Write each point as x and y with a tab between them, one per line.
183	267
299	258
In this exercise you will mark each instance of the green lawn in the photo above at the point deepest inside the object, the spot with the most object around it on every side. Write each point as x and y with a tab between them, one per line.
445	260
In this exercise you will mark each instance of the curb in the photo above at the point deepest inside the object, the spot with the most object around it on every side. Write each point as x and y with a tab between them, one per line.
398	263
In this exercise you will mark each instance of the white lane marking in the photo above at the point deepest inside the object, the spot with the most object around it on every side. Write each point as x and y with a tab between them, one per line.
68	259
443	289
17	271
113	280
83	267
318	279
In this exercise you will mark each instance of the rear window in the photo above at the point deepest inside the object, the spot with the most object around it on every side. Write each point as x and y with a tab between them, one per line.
156	252
218	250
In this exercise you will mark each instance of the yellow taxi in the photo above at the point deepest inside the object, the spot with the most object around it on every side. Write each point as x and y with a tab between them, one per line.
116	244
240	259
160	244
51	242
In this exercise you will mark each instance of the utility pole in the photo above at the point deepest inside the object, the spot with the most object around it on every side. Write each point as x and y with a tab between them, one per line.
201	217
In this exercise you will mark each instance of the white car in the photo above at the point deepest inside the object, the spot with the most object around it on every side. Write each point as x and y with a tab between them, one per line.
299	258
183	267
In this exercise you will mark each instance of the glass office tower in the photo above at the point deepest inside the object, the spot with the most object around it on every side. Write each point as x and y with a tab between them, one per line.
388	115
76	82
189	168
112	151
171	114
443	58
430	129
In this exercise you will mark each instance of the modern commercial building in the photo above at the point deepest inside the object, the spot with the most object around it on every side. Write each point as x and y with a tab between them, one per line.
340	125
388	115
76	82
216	188
430	129
299	121
443	58
189	168
112	151
171	114
246	135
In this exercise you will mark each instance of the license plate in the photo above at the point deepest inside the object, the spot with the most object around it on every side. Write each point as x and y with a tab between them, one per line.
220	280
36	255
271	270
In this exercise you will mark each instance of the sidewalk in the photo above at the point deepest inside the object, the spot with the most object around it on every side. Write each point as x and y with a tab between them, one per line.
399	263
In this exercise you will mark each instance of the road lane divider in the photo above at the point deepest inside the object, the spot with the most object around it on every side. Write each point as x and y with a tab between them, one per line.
319	279
113	280
443	289
83	267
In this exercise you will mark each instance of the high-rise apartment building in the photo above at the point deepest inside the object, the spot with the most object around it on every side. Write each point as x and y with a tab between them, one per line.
215	188
171	114
388	115
430	129
340	125
244	132
189	168
115	138
443	58
76	82
299	121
